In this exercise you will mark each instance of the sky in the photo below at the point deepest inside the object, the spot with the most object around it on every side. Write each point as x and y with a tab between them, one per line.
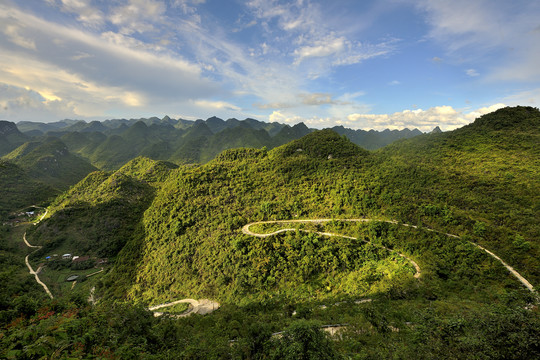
361	64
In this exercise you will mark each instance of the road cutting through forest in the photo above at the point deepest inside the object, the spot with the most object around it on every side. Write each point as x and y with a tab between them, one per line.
206	306
246	230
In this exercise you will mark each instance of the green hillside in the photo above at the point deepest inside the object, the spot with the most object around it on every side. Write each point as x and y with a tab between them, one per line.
18	190
98	215
452	182
50	162
175	233
484	177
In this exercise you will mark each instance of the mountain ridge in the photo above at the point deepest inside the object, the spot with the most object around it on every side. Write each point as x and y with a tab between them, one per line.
185	141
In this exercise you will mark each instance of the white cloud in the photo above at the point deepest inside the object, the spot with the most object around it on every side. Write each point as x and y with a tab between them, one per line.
524	98
216	105
320	48
463	23
188	6
472	73
317	99
314	35
472	115
291	119
87	14
278	116
264	78
303	99
80	56
18	104
84	68
138	15
13	34
275	105
446	117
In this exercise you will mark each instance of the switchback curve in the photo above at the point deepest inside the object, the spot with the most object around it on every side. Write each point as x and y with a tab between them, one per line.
247	231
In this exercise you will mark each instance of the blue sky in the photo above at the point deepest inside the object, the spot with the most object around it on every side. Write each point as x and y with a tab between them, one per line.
361	64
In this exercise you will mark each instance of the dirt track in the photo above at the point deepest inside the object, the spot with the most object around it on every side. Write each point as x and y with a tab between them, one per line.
31	270
247	231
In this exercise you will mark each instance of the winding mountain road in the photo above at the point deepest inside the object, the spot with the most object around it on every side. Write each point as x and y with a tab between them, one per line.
31	270
42	216
203	306
206	306
246	230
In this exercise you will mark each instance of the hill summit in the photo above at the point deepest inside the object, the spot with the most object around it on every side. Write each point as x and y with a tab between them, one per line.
323	144
8	128
520	118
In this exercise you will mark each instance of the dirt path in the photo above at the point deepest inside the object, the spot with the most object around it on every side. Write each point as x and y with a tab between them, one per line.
42	217
524	281
31	270
94	273
247	231
201	307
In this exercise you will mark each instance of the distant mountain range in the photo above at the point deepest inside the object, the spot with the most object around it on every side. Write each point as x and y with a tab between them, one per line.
55	156
111	143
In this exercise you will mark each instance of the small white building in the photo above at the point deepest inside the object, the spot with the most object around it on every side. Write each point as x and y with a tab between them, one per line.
66	256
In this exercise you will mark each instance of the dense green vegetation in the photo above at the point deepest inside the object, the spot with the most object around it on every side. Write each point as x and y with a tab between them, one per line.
36	171
50	161
100	214
20	295
175	233
18	190
110	144
10	137
481	180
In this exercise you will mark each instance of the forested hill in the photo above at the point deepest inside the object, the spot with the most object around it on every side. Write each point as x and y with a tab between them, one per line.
173	233
19	190
110	144
480	182
49	161
36	171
